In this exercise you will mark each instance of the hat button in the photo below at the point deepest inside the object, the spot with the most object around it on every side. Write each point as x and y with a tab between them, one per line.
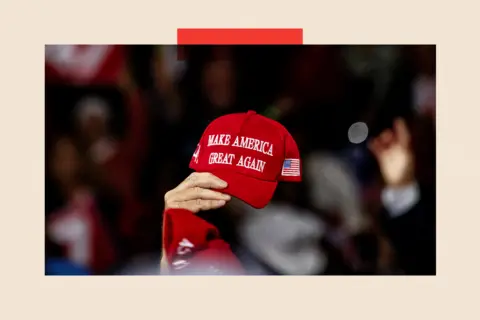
251	112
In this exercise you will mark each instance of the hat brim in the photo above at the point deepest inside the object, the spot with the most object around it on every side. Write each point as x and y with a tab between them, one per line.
254	192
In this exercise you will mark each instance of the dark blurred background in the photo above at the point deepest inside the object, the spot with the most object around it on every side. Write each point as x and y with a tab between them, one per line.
122	123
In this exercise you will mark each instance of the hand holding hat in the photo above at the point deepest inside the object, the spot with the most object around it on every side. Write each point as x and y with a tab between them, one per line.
195	193
251	153
242	155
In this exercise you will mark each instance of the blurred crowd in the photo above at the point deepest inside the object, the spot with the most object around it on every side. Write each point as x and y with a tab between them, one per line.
122	123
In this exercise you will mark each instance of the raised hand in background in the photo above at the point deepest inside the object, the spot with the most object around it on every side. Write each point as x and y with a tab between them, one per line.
393	151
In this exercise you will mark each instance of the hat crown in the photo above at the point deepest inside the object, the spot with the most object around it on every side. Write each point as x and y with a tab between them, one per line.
247	143
251	153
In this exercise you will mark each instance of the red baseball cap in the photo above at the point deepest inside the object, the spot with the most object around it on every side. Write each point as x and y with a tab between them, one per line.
251	153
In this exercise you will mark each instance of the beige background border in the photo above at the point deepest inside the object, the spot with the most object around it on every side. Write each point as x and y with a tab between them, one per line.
26	294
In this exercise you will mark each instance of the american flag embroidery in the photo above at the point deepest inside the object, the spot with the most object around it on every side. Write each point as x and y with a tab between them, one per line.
291	168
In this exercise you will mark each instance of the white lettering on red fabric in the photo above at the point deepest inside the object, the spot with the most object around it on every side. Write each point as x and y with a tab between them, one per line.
261	146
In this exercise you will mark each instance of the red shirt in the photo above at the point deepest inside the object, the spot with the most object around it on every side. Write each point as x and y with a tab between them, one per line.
84	64
79	230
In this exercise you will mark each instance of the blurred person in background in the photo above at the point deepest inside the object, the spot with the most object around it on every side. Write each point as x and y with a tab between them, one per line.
97	80
92	117
80	224
409	208
84	64
117	159
412	95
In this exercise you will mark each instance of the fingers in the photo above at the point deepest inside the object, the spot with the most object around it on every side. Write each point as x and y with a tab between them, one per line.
381	142
385	138
401	131
202	180
199	205
400	134
200	193
194	193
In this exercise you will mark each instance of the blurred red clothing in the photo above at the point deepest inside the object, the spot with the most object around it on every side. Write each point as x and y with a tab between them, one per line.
78	228
84	64
193	246
120	161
